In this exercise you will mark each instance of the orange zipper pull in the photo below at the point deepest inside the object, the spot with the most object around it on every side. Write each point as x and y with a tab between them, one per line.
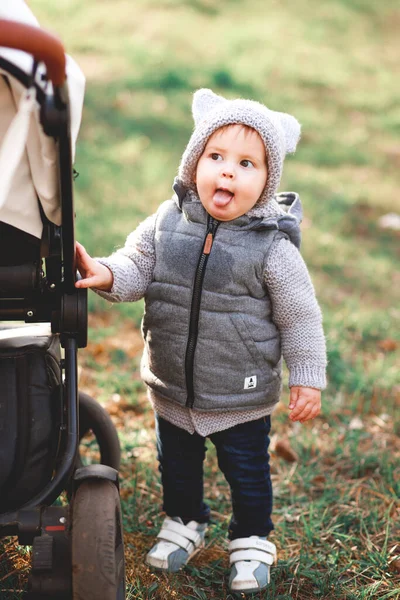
208	243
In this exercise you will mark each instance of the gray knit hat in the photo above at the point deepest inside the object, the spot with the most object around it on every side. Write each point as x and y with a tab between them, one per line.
280	133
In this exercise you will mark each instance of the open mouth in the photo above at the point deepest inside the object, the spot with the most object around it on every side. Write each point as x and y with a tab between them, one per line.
222	197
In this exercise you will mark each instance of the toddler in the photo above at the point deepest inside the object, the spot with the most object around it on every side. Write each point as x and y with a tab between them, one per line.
226	295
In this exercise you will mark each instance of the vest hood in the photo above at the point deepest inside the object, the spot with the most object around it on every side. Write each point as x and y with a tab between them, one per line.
284	212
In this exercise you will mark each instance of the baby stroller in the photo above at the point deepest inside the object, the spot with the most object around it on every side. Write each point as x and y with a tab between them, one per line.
77	550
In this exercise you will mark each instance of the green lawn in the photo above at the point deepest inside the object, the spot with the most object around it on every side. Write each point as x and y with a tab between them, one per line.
334	65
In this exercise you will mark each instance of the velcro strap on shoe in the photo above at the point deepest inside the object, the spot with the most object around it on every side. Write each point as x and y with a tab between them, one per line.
175	538
250	554
252	542
180	534
182	530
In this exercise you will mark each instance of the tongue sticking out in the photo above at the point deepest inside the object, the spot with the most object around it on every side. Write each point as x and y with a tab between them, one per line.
222	197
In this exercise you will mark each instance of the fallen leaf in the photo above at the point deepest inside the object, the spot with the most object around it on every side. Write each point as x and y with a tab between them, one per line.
387	345
285	451
356	423
395	565
292	518
319	479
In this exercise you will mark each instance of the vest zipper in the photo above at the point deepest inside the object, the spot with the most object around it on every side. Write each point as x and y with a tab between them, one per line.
212	226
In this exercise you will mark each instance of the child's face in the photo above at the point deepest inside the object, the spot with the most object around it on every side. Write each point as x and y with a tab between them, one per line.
232	172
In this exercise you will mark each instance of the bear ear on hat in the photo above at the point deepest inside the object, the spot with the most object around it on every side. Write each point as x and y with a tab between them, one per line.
291	128
204	100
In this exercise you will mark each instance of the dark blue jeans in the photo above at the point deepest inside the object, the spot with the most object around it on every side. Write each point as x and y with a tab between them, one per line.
243	458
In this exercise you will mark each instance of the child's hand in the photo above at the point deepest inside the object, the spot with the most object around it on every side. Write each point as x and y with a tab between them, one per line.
94	273
305	403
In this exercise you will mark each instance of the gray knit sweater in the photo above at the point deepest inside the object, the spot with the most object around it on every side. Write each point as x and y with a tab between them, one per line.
295	312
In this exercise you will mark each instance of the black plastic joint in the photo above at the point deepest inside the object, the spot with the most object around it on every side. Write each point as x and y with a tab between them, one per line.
28	525
51	117
42	553
73	317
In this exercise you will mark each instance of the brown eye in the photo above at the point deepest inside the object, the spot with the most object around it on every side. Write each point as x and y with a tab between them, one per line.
215	156
246	163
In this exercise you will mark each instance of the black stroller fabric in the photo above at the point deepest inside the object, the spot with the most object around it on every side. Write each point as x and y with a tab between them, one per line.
25	247
30	416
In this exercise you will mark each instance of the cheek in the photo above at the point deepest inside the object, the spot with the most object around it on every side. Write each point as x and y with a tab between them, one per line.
201	174
261	182
198	173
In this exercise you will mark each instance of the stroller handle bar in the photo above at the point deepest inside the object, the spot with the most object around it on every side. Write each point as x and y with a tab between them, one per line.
43	46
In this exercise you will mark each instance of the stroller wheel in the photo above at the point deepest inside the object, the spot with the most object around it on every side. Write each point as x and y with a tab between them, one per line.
98	566
92	416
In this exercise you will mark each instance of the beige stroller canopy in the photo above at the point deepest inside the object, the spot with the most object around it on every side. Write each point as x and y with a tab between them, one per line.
27	155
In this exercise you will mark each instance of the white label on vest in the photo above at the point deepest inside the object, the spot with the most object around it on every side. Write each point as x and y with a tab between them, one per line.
250	382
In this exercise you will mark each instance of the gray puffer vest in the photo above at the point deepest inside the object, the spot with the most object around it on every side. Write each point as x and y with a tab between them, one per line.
210	341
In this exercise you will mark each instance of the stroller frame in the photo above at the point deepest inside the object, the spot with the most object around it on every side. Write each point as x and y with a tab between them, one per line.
29	295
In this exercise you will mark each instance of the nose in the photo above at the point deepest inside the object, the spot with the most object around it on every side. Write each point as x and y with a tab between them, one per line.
228	171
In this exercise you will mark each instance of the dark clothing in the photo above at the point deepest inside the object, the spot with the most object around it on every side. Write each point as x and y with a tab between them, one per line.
243	458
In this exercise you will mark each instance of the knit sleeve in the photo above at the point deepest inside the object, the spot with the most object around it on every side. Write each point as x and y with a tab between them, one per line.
297	315
132	266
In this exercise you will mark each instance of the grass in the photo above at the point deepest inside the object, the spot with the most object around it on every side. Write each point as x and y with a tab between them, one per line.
334	65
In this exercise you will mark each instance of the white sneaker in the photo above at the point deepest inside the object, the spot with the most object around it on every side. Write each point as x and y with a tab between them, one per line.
178	544
251	559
